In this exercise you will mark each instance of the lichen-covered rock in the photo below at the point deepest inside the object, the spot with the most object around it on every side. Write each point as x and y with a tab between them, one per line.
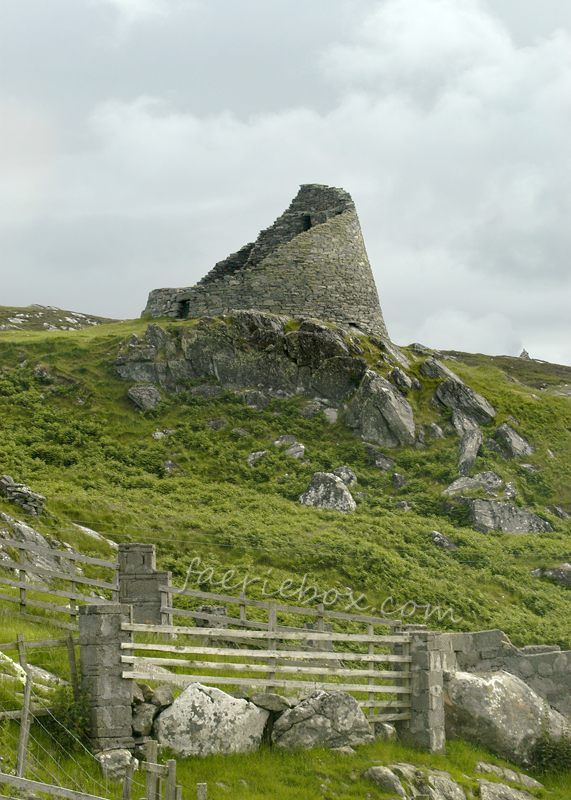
463	422
498	711
499	791
114	763
380	413
515	445
435	370
560	574
488	481
325	719
468	450
454	394
385	779
143	716
145	396
326	490
493	515
441	540
400	378
203	721
346	474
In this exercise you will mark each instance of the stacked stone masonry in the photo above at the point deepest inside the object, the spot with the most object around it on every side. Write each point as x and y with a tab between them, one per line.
311	261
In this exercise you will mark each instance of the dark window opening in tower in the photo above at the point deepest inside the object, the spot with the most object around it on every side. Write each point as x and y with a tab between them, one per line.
306	222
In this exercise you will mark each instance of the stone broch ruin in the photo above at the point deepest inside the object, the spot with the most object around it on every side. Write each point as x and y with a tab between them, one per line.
311	262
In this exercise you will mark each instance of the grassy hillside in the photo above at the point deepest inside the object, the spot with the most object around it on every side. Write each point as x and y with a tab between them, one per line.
70	432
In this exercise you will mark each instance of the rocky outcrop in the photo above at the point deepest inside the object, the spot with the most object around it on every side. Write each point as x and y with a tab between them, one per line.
13	531
379	413
247	349
203	721
468	450
514	444
326	490
21	495
497	711
492	515
325	719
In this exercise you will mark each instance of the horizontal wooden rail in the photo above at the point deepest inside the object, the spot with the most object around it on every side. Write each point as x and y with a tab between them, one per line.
46	788
36	643
279	654
68	626
36	548
184	680
35	712
43	589
301	633
55	575
311	612
297	669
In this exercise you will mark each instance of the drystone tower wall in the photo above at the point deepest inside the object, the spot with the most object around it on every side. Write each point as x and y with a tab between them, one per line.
311	262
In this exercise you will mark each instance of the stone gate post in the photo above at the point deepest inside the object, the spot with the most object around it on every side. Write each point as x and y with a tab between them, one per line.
426	727
139	581
100	638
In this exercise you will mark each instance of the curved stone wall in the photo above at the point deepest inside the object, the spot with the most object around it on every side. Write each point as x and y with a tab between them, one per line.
312	261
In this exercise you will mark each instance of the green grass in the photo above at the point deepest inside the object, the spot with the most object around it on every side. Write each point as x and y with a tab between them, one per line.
70	432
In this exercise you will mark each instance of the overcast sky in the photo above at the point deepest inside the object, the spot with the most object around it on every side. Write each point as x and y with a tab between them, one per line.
142	141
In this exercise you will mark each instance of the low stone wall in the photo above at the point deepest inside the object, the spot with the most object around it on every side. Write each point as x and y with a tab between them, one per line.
545	668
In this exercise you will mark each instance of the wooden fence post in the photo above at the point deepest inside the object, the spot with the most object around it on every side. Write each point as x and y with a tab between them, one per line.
170	782
371	666
22	579
272	644
72	666
128	781
201	791
22	651
152	782
242	607
24	729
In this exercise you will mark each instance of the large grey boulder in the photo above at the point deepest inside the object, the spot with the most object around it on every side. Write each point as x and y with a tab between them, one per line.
488	481
400	378
203	720
493	515
325	719
454	394
380	413
468	449
326	490
498	711
515	445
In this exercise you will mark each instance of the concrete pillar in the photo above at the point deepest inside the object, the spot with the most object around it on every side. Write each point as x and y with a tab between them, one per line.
139	582
426	727
100	638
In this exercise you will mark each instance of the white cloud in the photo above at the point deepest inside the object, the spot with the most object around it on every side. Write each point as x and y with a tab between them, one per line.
451	138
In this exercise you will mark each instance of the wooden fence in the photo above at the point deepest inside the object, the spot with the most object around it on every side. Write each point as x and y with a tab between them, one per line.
267	655
26	582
